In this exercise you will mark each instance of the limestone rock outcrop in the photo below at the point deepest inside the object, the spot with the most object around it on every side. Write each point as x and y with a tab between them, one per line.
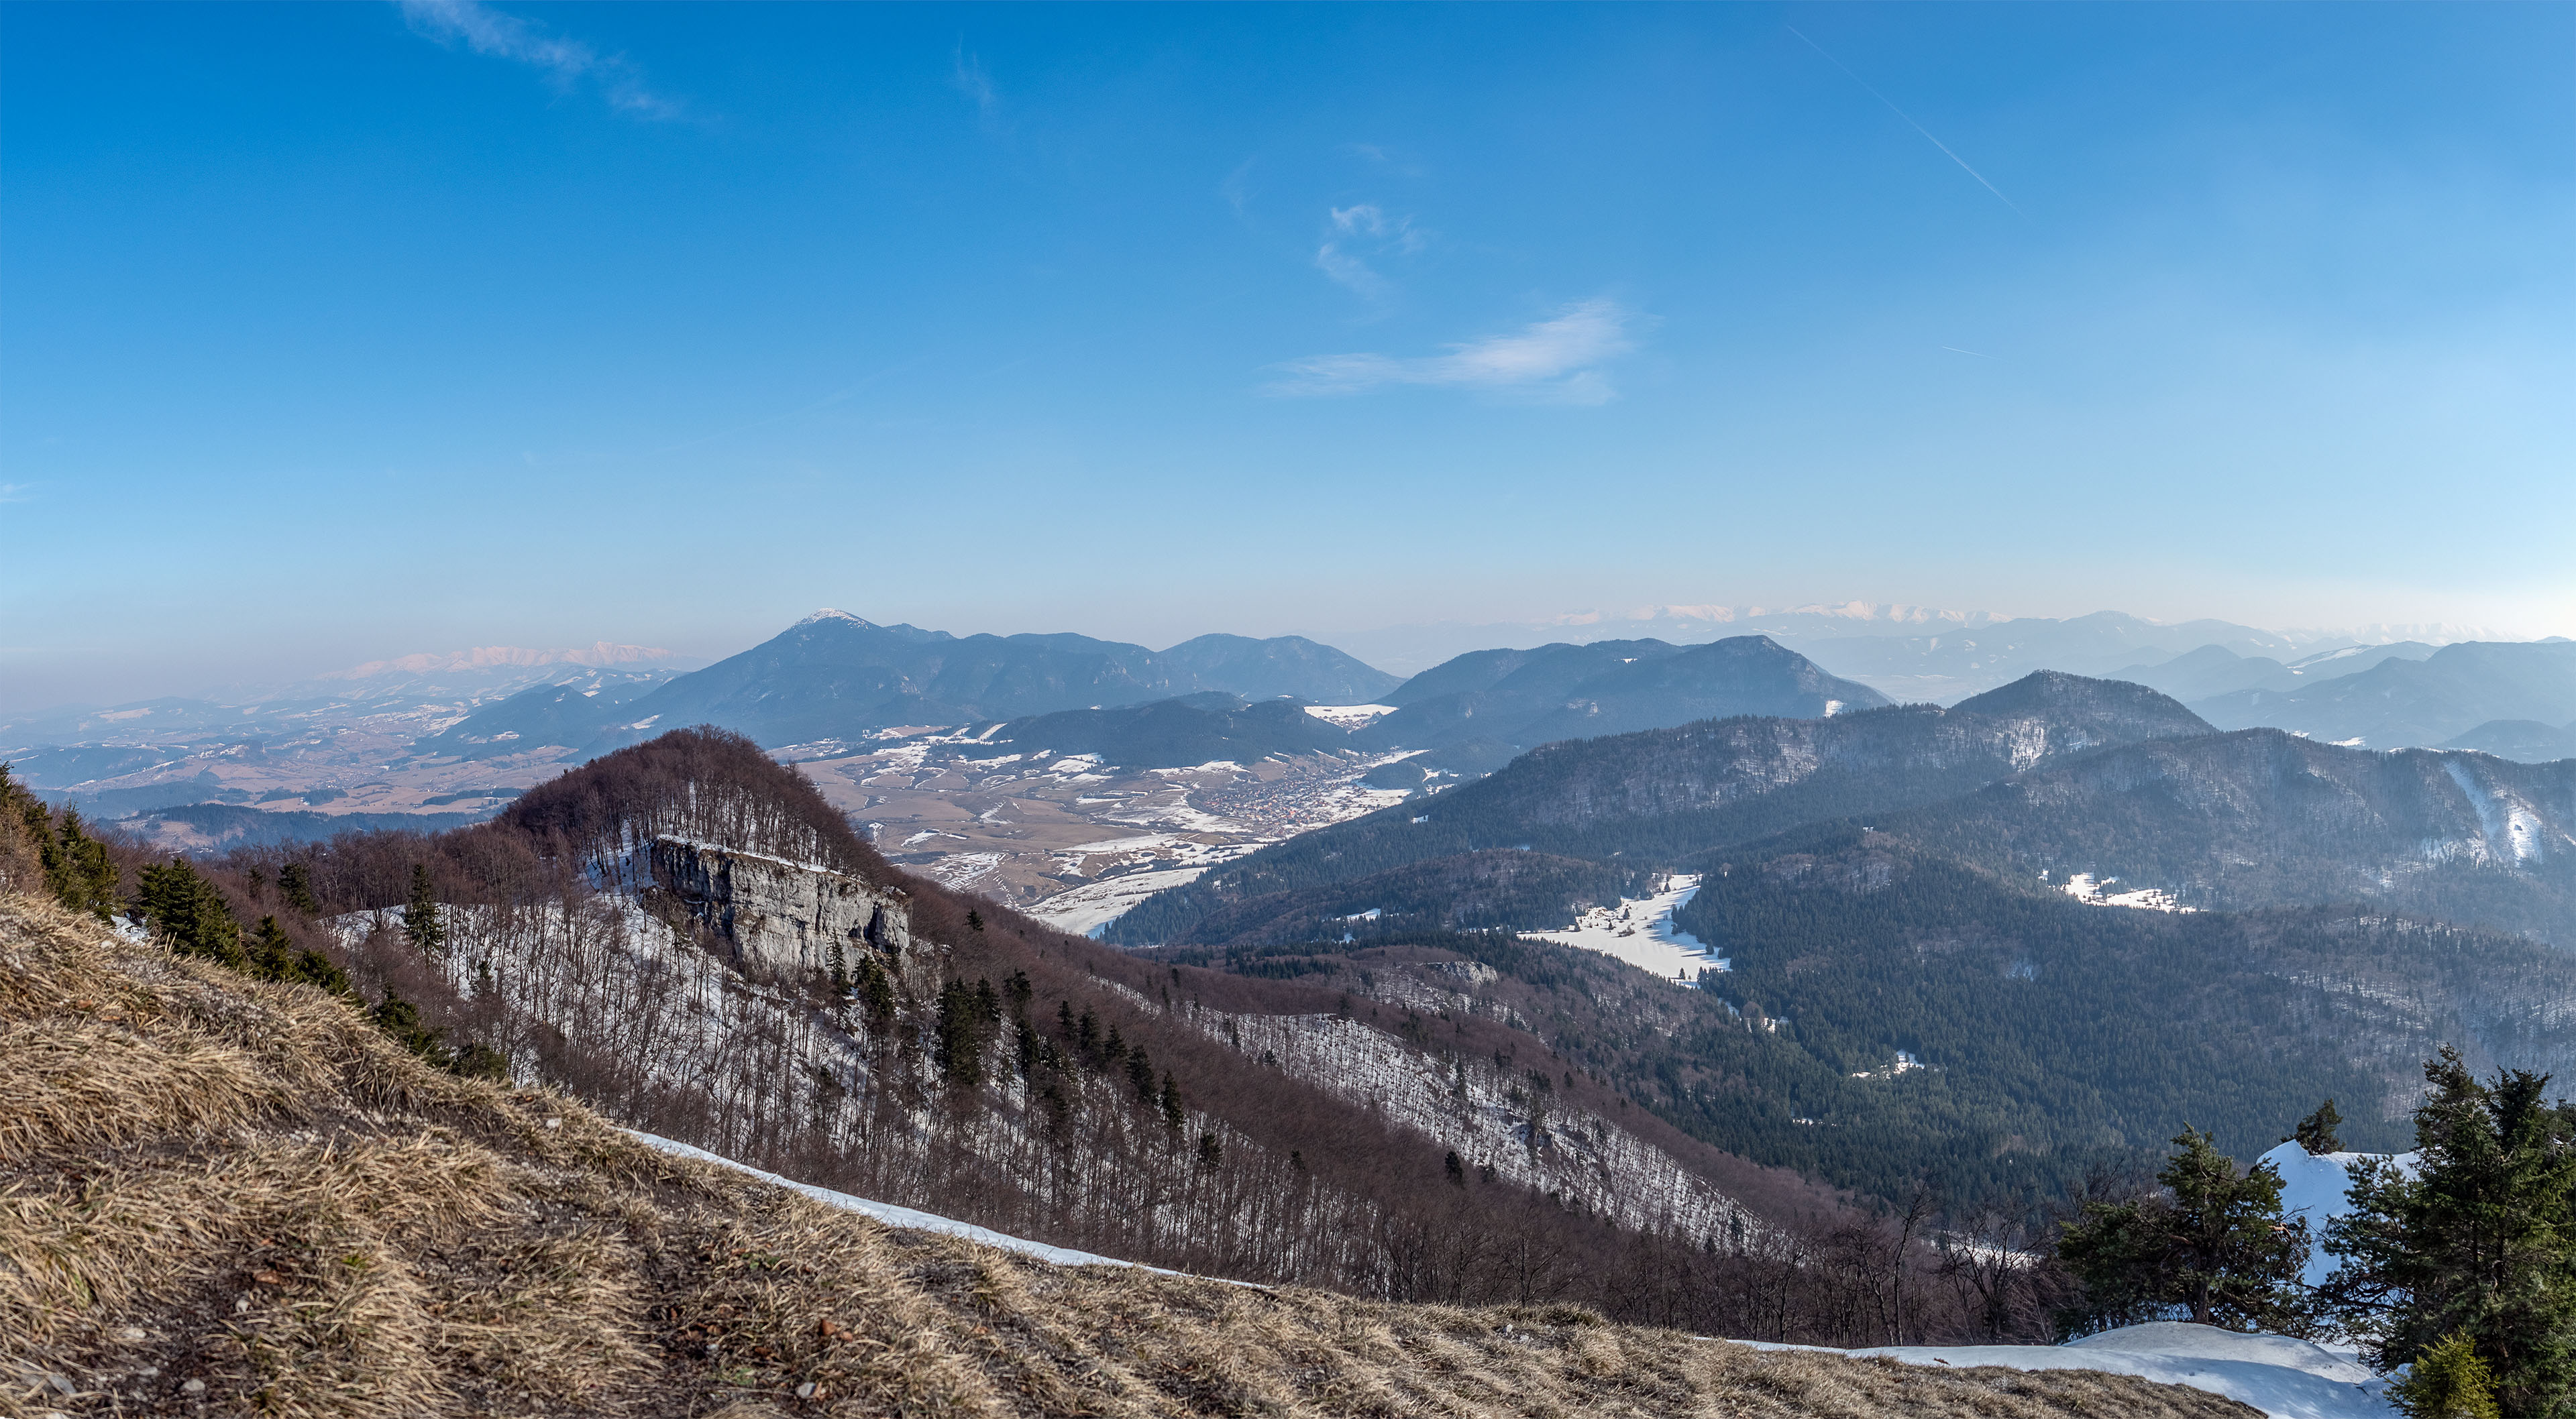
783	916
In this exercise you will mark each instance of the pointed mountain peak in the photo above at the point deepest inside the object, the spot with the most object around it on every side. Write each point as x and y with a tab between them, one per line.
828	615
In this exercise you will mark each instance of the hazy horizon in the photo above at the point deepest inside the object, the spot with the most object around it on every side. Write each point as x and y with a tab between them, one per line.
343	333
1452	636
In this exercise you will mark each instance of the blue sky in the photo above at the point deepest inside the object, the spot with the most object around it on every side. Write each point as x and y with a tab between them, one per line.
334	332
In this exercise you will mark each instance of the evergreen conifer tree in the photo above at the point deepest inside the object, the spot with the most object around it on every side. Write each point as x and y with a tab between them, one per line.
1173	1116
2212	1243
401	1019
2449	1381
2480	1243
958	1048
421	924
76	865
876	989
187	911
2317	1131
295	886
272	956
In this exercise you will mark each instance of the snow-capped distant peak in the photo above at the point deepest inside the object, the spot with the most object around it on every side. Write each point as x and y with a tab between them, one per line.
828	614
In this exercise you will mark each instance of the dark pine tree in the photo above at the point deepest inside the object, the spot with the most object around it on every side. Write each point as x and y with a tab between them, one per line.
2481	1242
421	924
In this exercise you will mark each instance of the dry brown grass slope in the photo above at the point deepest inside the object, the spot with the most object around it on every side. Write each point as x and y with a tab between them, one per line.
224	1197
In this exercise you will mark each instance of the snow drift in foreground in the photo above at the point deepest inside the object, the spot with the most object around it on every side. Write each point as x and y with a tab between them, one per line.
2284	1378
2287	1379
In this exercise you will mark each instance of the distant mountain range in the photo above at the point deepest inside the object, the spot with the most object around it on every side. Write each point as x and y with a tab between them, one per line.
833	676
1472	714
2399	701
1666	794
1915	888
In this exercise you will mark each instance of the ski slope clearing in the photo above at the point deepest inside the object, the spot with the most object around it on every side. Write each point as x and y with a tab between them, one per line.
1640	932
2284	1378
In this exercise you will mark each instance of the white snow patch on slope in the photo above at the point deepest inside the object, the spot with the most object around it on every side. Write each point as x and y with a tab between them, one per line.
1640	932
2284	1378
1087	908
894	1216
1348	716
2083	888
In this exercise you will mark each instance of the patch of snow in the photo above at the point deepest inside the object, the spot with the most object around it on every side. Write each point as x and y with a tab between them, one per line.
894	1216
2083	888
1348	716
2313	1187
2284	1378
1640	932
1084	910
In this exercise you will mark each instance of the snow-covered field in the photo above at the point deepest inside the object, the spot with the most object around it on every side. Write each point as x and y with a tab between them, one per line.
1348	716
1088	908
1052	832
1640	932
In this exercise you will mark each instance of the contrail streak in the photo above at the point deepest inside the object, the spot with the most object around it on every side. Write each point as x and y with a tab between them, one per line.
1953	349
1909	119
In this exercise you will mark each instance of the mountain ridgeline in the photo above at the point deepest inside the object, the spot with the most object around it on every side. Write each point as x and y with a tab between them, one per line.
835	676
1928	978
1659	796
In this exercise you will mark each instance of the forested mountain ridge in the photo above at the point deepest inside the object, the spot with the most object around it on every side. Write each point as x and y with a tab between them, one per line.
1175	733
2259	818
1657	796
1893	1017
835	676
1526	698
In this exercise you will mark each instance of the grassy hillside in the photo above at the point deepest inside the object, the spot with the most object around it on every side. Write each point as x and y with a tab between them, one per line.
223	1197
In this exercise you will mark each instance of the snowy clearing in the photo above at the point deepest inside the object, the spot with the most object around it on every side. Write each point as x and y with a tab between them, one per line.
1085	909
2083	888
1348	716
1640	932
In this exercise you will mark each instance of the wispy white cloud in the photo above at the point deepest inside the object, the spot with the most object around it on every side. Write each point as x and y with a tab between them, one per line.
1350	271
14	492
566	63
967	76
1558	360
1237	189
1368	227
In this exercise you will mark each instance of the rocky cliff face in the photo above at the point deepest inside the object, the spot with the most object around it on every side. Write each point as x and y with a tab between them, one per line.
778	915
